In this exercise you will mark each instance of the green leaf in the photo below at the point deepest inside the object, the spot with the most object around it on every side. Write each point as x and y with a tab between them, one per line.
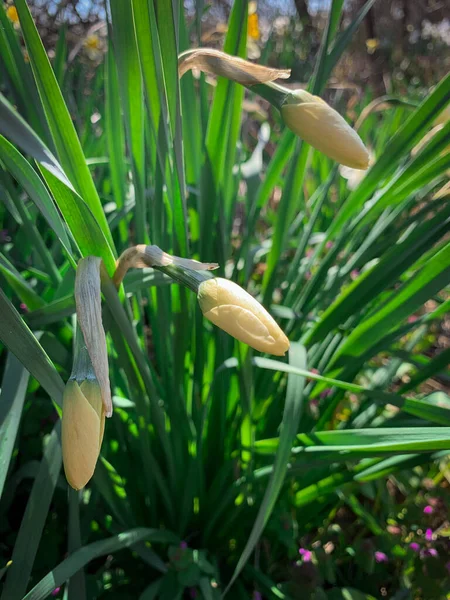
12	397
23	172
389	268
81	221
77	585
115	139
16	129
61	126
401	143
132	100
22	288
21	342
376	441
33	521
289	426
84	555
431	279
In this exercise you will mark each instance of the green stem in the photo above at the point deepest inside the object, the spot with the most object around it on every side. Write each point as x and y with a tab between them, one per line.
272	92
187	277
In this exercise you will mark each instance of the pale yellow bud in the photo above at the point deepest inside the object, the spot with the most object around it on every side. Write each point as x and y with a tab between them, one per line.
232	309
312	119
83	424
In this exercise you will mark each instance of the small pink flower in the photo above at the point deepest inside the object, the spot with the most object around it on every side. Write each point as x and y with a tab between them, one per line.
431	552
56	591
354	274
412	318
428	535
414	546
183	545
428	510
326	393
305	554
381	557
329	245
23	307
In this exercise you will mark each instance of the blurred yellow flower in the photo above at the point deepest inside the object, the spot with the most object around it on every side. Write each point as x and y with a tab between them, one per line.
12	14
372	44
253	23
93	46
92	42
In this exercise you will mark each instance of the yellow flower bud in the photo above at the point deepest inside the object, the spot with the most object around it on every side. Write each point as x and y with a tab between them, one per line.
232	309
312	119
83	424
12	14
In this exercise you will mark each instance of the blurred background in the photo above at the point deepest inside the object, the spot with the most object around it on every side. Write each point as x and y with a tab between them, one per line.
402	44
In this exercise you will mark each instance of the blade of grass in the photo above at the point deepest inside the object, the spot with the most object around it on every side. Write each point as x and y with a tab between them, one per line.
33	521
115	139
12	396
21	342
289	426
346	443
431	279
16	129
410	133
84	555
61	126
24	173
132	100
81	221
76	589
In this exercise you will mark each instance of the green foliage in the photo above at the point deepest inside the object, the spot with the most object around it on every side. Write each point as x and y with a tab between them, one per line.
218	464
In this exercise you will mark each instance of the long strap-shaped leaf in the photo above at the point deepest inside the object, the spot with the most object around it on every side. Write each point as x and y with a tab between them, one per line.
16	129
433	277
14	387
33	521
289	427
61	126
411	132
24	173
20	341
84	555
345	444
132	100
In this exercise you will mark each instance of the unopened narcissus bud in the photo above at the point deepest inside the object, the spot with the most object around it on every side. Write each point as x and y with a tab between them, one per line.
232	309
312	119
83	424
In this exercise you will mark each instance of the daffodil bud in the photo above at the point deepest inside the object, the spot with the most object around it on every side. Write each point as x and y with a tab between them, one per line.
232	309
312	119
83	424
